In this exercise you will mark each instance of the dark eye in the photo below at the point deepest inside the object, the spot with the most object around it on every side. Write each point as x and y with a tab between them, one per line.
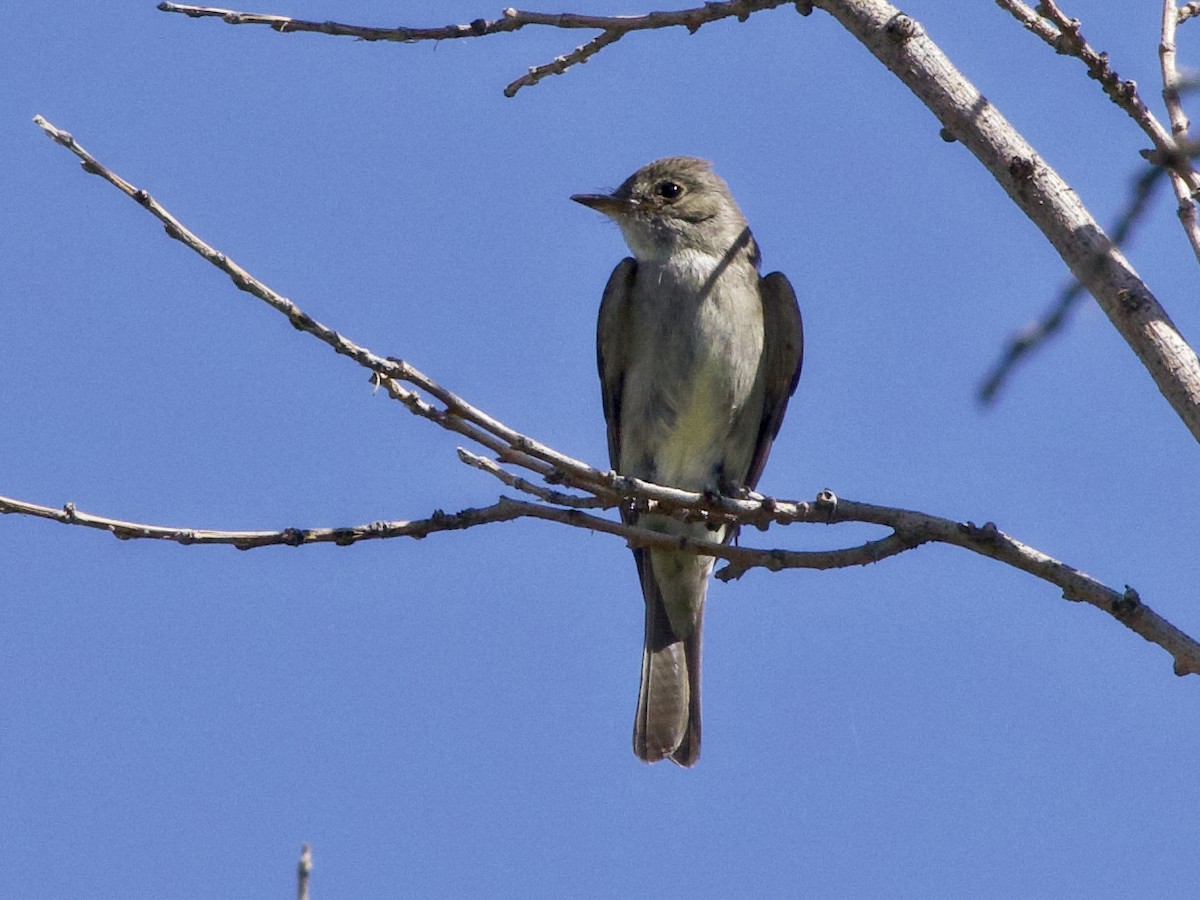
668	190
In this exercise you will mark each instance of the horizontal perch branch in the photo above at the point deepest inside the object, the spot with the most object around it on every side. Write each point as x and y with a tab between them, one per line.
612	28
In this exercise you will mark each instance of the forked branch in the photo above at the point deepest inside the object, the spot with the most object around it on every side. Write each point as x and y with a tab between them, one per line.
612	28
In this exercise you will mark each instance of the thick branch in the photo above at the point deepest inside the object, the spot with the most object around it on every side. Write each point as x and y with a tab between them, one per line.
901	44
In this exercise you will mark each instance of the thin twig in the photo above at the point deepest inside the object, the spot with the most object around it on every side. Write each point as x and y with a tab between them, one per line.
612	28
1063	33
124	530
1185	194
546	495
560	64
1188	10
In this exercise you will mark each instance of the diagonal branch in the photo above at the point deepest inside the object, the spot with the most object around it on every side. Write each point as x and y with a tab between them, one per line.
1063	33
560	64
456	415
900	43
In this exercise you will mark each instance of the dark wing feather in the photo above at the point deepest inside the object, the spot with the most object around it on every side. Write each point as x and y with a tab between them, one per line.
783	352
612	345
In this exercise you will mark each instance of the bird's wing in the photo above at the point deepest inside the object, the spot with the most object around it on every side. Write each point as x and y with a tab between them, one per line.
612	348
783	351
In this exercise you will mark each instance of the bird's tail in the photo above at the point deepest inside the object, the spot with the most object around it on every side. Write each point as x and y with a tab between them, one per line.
668	710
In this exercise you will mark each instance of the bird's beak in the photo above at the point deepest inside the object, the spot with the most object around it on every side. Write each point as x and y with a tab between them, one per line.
606	203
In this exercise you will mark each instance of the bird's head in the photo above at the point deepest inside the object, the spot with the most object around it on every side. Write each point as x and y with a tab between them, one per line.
672	205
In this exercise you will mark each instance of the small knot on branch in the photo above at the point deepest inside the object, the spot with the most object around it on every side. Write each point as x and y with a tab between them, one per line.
1127	604
1183	667
1021	168
730	572
901	28
399	368
302	321
987	533
828	501
766	513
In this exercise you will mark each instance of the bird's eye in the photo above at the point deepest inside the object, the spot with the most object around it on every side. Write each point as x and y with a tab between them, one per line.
668	190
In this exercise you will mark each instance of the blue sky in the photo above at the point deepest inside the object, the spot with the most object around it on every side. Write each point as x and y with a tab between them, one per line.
452	717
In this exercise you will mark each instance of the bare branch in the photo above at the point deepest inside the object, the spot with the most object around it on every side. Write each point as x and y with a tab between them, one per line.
910	529
303	871
249	540
1036	333
401	34
1063	33
1185	191
1188	10
458	415
612	28
901	44
1170	73
546	495
562	63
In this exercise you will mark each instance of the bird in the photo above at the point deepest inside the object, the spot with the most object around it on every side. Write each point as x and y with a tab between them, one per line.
698	357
